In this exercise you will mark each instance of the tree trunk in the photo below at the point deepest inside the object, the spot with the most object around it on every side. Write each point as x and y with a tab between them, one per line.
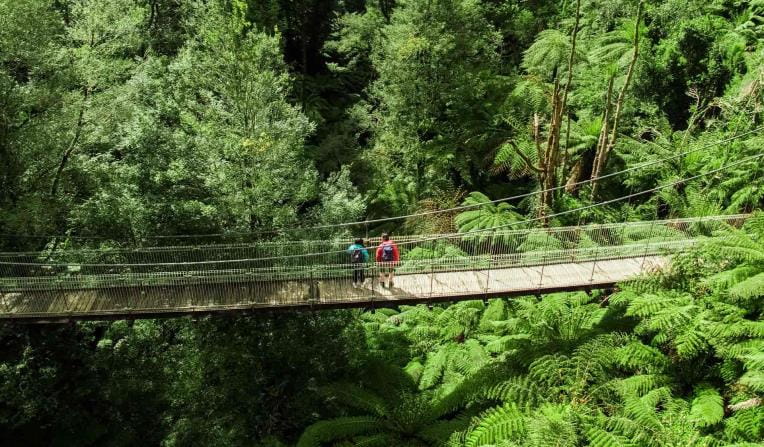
563	109
609	143
575	176
565	155
72	144
551	156
602	141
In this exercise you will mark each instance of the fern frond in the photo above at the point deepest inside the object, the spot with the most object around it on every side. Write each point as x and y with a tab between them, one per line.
729	278
507	343
749	289
643	409
602	438
414	369
376	440
339	428
691	342
641	384
496	424
754	380
356	397
496	311
637	355
745	425
552	425
520	389
439	432
707	406
433	368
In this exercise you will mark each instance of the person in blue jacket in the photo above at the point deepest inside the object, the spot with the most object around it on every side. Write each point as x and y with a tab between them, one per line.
359	256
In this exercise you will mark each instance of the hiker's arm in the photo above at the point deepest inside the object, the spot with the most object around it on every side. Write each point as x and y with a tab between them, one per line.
378	256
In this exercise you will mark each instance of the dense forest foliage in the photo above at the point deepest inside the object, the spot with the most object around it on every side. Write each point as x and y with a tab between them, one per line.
129	121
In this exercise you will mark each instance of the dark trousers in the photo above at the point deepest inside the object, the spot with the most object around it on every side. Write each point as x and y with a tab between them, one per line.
359	274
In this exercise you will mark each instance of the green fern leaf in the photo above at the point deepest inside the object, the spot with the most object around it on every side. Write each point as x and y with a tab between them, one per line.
602	438
339	428
496	424
707	406
749	289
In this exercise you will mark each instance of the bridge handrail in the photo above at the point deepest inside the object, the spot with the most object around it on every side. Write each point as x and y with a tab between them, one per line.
375	240
331	271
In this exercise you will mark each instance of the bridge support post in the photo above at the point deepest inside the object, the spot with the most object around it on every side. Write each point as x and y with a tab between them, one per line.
543	264
432	275
312	289
488	274
647	246
374	276
596	257
64	296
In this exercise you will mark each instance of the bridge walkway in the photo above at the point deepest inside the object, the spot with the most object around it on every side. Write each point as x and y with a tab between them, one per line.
412	288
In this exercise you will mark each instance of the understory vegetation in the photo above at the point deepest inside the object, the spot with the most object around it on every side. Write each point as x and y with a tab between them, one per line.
129	123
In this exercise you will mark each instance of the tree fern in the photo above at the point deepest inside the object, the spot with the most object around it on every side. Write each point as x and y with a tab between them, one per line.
433	368
375	440
496	311
485	217
745	425
643	409
414	369
438	433
548	53
617	45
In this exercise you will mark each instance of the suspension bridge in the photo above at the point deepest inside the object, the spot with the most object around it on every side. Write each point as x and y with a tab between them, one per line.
102	281
148	282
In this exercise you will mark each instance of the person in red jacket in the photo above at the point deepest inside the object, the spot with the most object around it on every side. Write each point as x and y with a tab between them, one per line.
387	257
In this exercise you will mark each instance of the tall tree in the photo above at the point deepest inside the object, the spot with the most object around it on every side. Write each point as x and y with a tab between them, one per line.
432	83
234	91
609	132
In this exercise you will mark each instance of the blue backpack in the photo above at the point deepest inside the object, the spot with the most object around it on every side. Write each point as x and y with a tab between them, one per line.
387	252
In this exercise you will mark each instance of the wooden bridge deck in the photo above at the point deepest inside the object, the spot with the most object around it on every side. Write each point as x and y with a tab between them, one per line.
159	301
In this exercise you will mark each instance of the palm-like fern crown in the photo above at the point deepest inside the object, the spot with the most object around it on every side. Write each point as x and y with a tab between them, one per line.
547	53
485	216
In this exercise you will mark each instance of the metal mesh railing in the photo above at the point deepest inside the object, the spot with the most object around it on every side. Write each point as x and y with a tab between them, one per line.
283	273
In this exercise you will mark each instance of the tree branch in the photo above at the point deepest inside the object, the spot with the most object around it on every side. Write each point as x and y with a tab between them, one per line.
72	144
